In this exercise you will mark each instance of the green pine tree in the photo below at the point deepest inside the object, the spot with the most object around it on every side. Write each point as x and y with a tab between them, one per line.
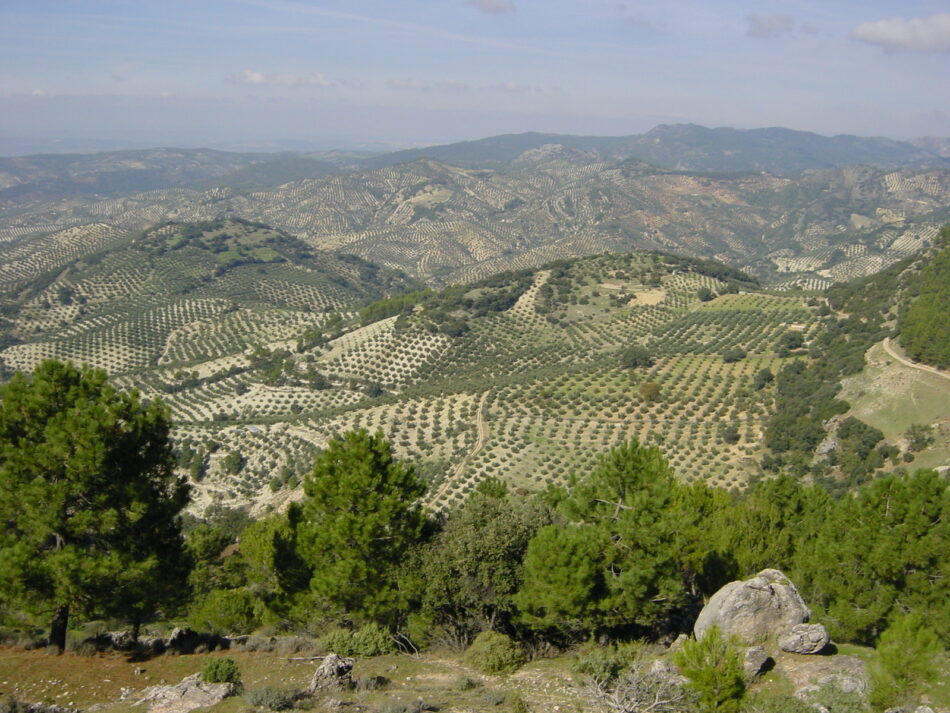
359	519
88	499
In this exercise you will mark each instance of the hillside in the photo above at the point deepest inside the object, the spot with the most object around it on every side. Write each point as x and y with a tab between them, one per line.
127	301
25	179
256	345
444	224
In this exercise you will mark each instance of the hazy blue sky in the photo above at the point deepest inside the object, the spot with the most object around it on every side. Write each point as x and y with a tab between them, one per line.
190	72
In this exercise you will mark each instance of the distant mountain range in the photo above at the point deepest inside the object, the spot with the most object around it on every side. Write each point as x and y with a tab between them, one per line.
682	147
688	147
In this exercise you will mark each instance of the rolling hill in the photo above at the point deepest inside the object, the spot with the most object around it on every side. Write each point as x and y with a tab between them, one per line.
264	350
445	224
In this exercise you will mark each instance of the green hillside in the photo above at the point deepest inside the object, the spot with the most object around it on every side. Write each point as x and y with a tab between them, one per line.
129	301
258	348
267	348
924	325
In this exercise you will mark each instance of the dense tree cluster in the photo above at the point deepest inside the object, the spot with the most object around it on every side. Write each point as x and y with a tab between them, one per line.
806	389
92	525
924	326
625	551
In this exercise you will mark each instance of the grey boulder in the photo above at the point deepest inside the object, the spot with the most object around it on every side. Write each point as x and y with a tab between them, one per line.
332	675
191	693
757	610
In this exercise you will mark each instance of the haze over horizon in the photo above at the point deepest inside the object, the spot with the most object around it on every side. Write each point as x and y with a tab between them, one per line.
334	74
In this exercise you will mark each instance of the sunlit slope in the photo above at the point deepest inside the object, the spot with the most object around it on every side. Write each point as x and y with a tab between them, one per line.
519	377
445	224
176	294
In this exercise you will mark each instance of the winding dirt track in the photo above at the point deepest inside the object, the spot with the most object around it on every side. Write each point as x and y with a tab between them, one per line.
481	428
888	347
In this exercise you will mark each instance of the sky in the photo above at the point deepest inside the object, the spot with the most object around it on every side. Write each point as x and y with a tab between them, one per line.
392	73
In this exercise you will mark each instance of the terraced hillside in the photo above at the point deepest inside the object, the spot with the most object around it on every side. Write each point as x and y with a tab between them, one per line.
128	301
264	349
448	225
256	344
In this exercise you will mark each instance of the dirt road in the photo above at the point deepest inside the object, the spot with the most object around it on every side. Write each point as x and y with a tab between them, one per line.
891	352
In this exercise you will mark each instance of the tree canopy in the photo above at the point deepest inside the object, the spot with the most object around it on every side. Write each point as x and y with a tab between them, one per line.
89	504
924	327
357	523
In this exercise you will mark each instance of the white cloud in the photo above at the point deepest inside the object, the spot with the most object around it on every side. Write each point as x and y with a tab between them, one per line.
251	77
493	6
411	83
930	34
767	27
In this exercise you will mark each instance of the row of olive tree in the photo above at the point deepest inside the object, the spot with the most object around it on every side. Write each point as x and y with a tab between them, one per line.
90	513
624	551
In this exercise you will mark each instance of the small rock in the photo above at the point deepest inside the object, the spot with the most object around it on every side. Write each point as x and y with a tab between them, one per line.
845	683
754	661
678	643
668	671
804	639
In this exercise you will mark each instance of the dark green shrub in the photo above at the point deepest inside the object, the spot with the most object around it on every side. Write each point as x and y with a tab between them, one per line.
226	611
492	652
904	662
221	670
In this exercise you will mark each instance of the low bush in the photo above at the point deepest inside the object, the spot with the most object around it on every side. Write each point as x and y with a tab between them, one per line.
371	683
221	670
713	666
492	652
466	683
605	664
273	699
370	640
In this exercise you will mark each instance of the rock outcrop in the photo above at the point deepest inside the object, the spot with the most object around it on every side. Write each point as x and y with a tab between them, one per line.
332	675
806	673
757	610
804	639
191	693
